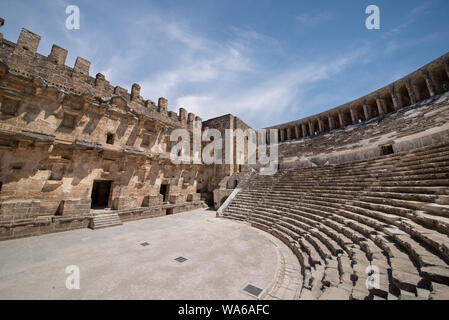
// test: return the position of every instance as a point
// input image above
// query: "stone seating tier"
(391, 212)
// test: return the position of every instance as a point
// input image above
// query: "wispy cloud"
(313, 19)
(415, 14)
(206, 76)
(262, 78)
(264, 101)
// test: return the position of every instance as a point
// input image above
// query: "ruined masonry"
(361, 192)
(77, 152)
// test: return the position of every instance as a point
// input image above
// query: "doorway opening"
(388, 149)
(164, 192)
(101, 191)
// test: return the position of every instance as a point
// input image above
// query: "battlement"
(50, 71)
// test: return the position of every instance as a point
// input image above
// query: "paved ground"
(223, 256)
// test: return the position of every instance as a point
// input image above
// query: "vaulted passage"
(345, 117)
(388, 102)
(441, 79)
(403, 96)
(100, 194)
(358, 113)
(421, 89)
(324, 124)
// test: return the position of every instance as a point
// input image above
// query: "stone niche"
(122, 203)
(150, 201)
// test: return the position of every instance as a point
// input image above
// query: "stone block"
(195, 197)
(150, 200)
(57, 55)
(20, 208)
(70, 207)
(27, 43)
(121, 203)
(82, 66)
(177, 199)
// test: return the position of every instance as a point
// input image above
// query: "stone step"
(429, 150)
(328, 198)
(430, 239)
(105, 220)
(411, 183)
(383, 208)
(415, 177)
(371, 220)
(425, 170)
(429, 158)
(413, 190)
(405, 275)
(314, 256)
(419, 166)
(272, 218)
(438, 223)
(301, 217)
(401, 196)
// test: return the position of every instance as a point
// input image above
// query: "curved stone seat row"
(335, 146)
(426, 83)
(389, 213)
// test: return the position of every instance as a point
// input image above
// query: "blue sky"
(267, 62)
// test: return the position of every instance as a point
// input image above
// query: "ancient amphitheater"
(361, 194)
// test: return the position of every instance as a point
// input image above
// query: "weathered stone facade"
(360, 186)
(367, 203)
(71, 143)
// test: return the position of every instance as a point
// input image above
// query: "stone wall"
(221, 124)
(70, 143)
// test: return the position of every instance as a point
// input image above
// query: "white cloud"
(265, 101)
(206, 76)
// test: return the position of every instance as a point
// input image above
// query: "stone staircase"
(105, 220)
(389, 213)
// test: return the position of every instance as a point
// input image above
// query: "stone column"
(297, 133)
(380, 105)
(411, 91)
(394, 97)
(446, 66)
(289, 135)
(304, 129)
(331, 121)
(429, 82)
(321, 125)
(366, 111)
(341, 119)
(311, 129)
(353, 114)
(282, 138)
